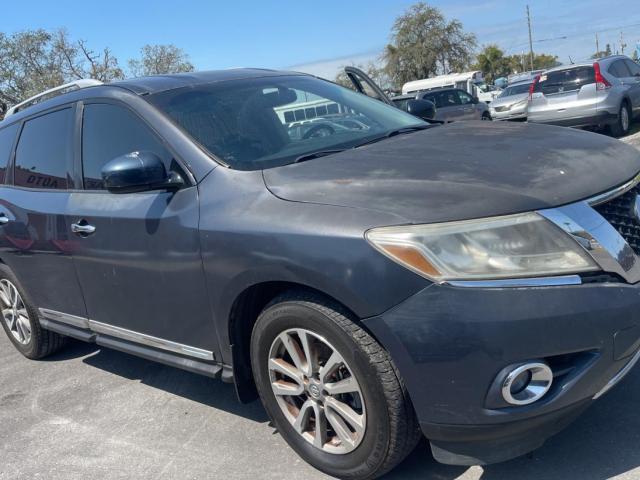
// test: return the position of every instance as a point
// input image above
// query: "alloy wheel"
(317, 391)
(14, 312)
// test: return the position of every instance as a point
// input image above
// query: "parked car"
(512, 103)
(603, 93)
(452, 104)
(478, 284)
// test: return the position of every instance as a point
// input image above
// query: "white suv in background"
(606, 92)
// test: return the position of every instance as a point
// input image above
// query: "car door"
(633, 82)
(448, 106)
(468, 106)
(362, 83)
(35, 241)
(138, 255)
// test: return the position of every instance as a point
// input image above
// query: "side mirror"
(138, 172)
(424, 109)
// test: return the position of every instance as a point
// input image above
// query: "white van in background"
(471, 82)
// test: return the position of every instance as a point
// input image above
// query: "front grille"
(619, 213)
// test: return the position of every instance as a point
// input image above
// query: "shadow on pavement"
(602, 443)
(197, 388)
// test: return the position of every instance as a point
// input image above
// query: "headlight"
(500, 247)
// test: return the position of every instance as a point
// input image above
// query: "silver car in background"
(606, 92)
(452, 104)
(512, 102)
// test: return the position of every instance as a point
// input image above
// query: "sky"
(319, 36)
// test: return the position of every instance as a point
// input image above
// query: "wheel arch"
(245, 310)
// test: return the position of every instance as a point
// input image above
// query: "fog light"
(527, 384)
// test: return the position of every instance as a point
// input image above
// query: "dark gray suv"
(475, 283)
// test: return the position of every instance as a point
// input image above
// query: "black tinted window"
(618, 69)
(448, 98)
(7, 137)
(44, 151)
(565, 80)
(109, 131)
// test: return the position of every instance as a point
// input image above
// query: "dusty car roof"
(159, 83)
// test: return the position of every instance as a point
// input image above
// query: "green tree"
(635, 57)
(424, 43)
(543, 61)
(35, 60)
(160, 59)
(493, 63)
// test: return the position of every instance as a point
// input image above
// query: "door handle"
(3, 219)
(83, 228)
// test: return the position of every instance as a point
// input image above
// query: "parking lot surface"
(95, 413)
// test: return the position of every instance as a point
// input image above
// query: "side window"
(633, 67)
(7, 137)
(465, 98)
(44, 151)
(618, 69)
(109, 131)
(448, 98)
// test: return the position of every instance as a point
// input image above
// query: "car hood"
(461, 171)
(510, 100)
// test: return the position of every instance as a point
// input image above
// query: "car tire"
(19, 319)
(623, 123)
(390, 429)
(486, 116)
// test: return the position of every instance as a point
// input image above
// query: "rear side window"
(567, 80)
(7, 137)
(618, 69)
(44, 151)
(109, 131)
(633, 67)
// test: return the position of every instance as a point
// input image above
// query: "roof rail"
(52, 92)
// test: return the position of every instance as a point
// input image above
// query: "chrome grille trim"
(616, 192)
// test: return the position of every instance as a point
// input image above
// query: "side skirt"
(81, 329)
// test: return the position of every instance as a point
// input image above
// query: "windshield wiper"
(318, 154)
(397, 131)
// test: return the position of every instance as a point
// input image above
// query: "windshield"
(259, 123)
(515, 90)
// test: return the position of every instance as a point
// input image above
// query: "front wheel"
(330, 389)
(486, 116)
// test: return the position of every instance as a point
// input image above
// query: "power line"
(581, 34)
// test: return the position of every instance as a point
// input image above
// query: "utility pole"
(530, 38)
(597, 45)
(622, 44)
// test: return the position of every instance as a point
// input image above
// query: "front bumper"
(517, 113)
(451, 343)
